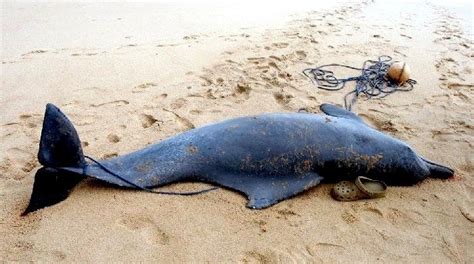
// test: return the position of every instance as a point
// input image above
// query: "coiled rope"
(372, 82)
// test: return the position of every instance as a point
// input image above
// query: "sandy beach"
(130, 75)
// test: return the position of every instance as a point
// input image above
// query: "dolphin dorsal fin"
(337, 111)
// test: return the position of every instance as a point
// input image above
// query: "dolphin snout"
(438, 171)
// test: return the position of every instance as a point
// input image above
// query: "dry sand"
(129, 93)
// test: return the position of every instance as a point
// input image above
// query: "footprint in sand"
(161, 96)
(190, 37)
(312, 98)
(210, 94)
(220, 81)
(29, 120)
(142, 87)
(148, 120)
(112, 138)
(21, 159)
(167, 45)
(147, 228)
(206, 81)
(114, 103)
(273, 65)
(182, 120)
(243, 89)
(280, 45)
(109, 155)
(321, 32)
(128, 46)
(256, 60)
(91, 89)
(285, 76)
(282, 99)
(406, 36)
(195, 112)
(274, 57)
(27, 124)
(293, 254)
(178, 103)
(384, 124)
(371, 215)
(84, 54)
(349, 217)
(256, 256)
(34, 52)
(455, 85)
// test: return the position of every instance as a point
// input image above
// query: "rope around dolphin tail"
(147, 189)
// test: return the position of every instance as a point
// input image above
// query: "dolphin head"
(408, 168)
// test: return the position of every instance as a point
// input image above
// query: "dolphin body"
(268, 157)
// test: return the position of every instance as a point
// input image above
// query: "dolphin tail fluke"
(59, 147)
(438, 171)
(51, 186)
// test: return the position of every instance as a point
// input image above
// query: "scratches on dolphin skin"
(370, 161)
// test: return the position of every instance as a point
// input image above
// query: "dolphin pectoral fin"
(267, 191)
(260, 203)
(336, 111)
(264, 191)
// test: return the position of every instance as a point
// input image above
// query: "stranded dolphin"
(268, 157)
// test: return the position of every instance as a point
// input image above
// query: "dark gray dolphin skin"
(268, 157)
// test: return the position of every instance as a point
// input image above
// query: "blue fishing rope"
(144, 188)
